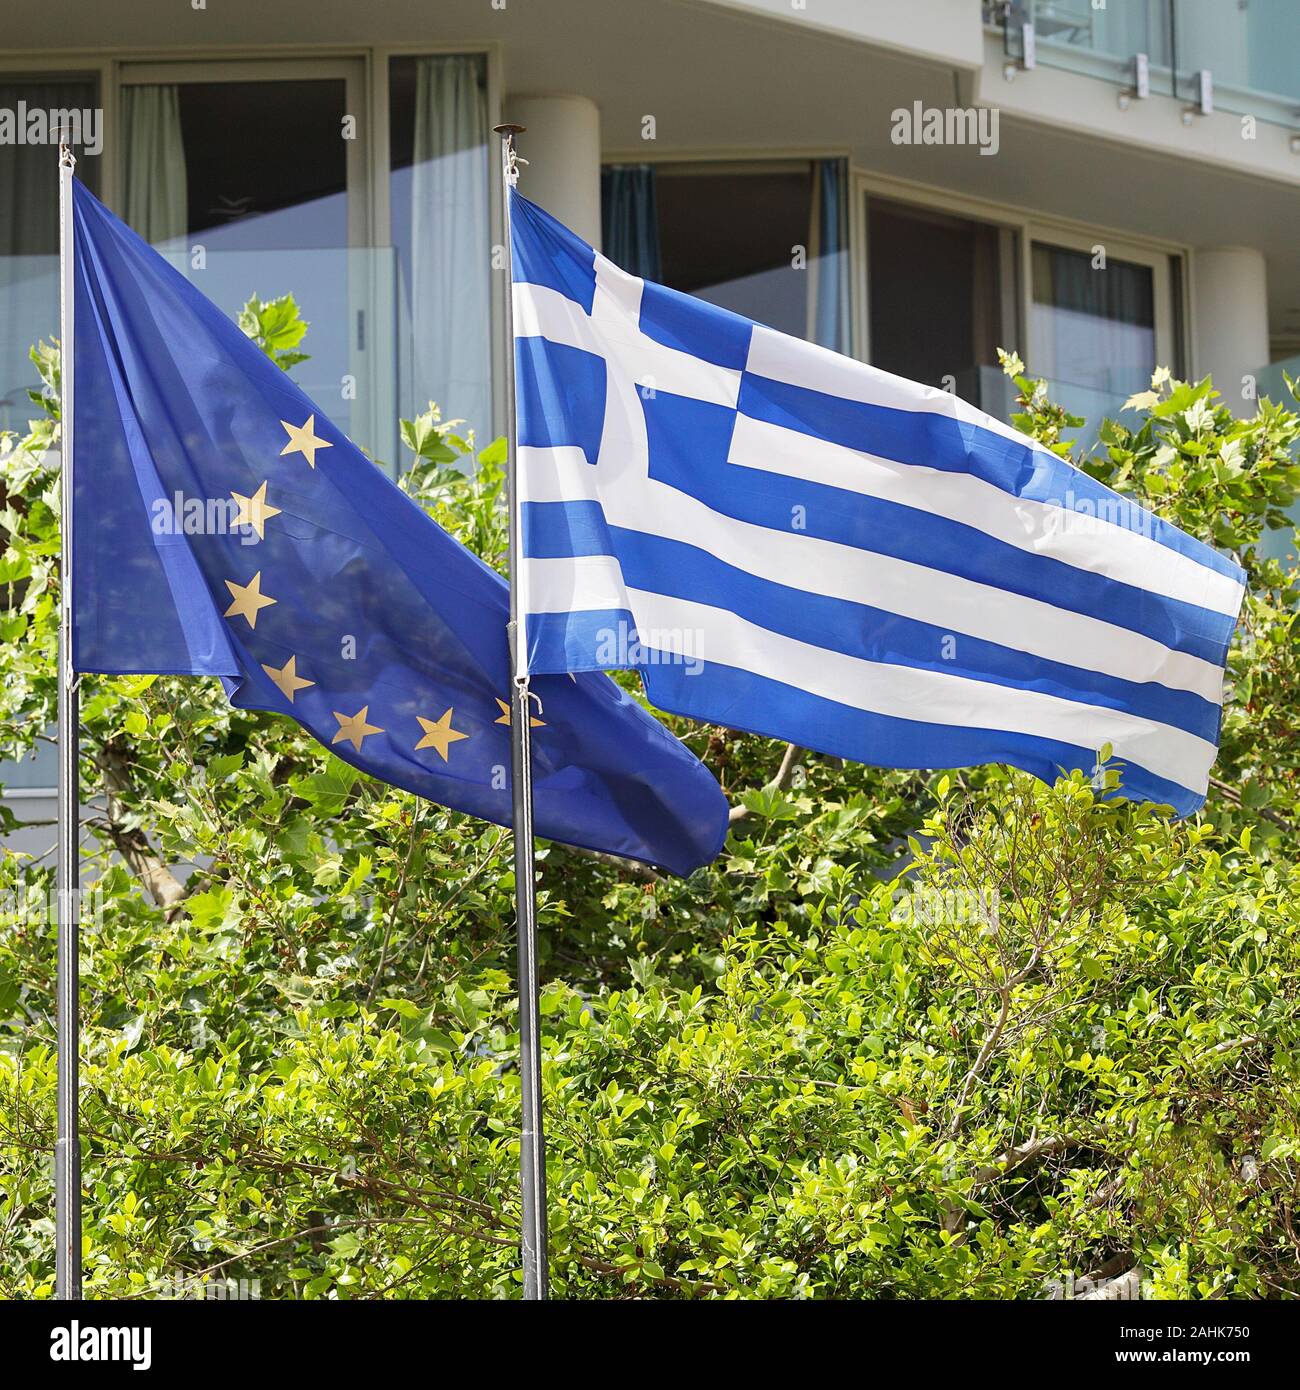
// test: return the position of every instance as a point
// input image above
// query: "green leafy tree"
(910, 1036)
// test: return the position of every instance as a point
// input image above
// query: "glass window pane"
(935, 297)
(1094, 326)
(730, 238)
(1249, 47)
(1118, 30)
(266, 163)
(244, 185)
(29, 224)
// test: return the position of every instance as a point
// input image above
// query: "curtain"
(450, 241)
(156, 202)
(629, 219)
(828, 260)
(29, 241)
(1095, 328)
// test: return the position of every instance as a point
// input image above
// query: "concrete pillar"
(1230, 315)
(562, 146)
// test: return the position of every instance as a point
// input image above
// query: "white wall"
(562, 147)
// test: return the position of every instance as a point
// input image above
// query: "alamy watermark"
(928, 905)
(1095, 516)
(179, 515)
(919, 124)
(85, 906)
(626, 647)
(40, 125)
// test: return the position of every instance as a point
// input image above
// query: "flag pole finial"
(510, 157)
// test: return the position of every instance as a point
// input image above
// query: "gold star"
(533, 721)
(304, 440)
(439, 735)
(254, 511)
(353, 727)
(287, 678)
(249, 599)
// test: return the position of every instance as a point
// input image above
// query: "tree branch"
(132, 844)
(794, 756)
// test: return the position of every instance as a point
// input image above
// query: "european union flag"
(223, 527)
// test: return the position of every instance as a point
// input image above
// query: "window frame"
(1159, 263)
(366, 69)
(209, 71)
(370, 213)
(1029, 226)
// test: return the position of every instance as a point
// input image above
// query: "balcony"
(1237, 57)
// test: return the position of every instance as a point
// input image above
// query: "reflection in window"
(1093, 327)
(438, 131)
(941, 297)
(29, 236)
(770, 243)
(1118, 30)
(1250, 45)
(244, 185)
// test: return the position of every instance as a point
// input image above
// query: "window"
(730, 237)
(29, 231)
(766, 240)
(941, 298)
(265, 164)
(1102, 317)
(249, 176)
(949, 281)
(1093, 324)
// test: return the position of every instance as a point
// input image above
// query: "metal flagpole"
(532, 1140)
(67, 1148)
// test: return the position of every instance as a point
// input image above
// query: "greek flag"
(786, 541)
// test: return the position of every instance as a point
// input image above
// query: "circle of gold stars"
(248, 600)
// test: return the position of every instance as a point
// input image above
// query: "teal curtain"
(629, 219)
(828, 300)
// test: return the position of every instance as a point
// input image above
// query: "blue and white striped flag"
(787, 541)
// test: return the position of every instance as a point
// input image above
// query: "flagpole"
(67, 1148)
(532, 1140)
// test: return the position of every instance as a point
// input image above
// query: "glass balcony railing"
(358, 342)
(1248, 47)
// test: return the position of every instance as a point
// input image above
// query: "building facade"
(1103, 185)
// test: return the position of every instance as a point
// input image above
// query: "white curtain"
(156, 199)
(450, 242)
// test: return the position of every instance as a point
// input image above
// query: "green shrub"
(1064, 1042)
